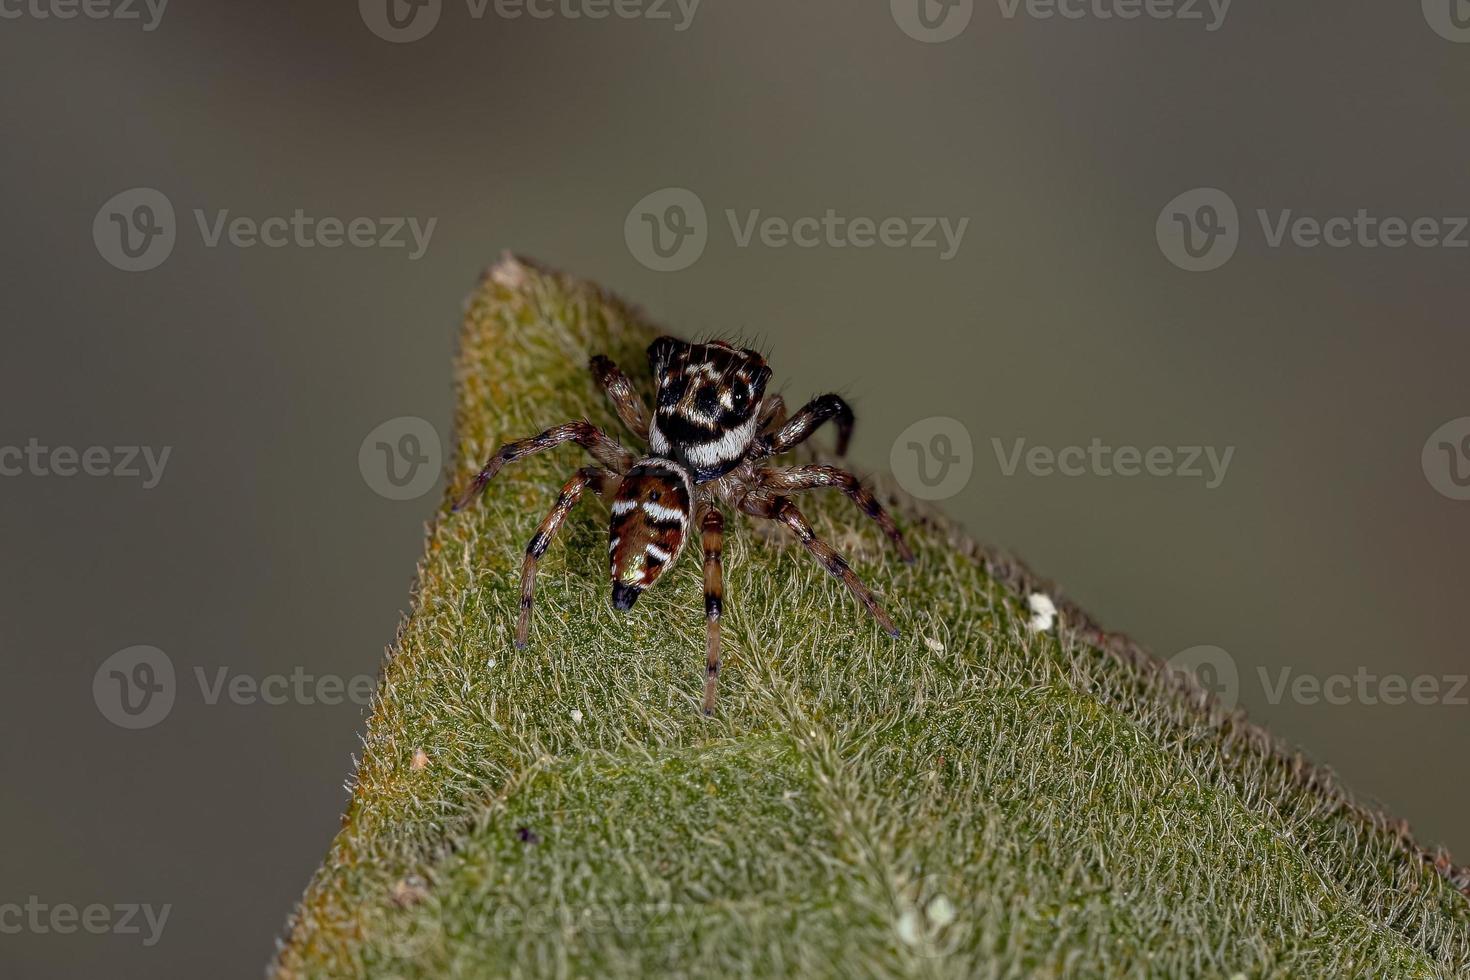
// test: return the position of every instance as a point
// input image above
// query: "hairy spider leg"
(624, 397)
(603, 447)
(603, 482)
(795, 479)
(784, 511)
(712, 537)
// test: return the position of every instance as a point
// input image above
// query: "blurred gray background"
(265, 549)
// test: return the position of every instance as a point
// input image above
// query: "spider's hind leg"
(784, 511)
(603, 483)
(712, 528)
(793, 479)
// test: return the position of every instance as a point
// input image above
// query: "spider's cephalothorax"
(705, 413)
(712, 430)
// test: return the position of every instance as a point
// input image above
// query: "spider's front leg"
(603, 484)
(800, 426)
(794, 479)
(624, 397)
(712, 537)
(784, 511)
(603, 447)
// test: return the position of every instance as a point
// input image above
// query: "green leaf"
(972, 799)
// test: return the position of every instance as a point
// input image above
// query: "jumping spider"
(712, 428)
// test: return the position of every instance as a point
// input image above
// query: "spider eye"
(673, 390)
(706, 400)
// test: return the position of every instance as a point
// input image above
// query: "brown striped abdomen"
(650, 518)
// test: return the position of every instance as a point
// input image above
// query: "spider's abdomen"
(650, 517)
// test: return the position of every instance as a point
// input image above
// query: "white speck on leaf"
(577, 715)
(940, 911)
(1043, 612)
(933, 644)
(908, 927)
